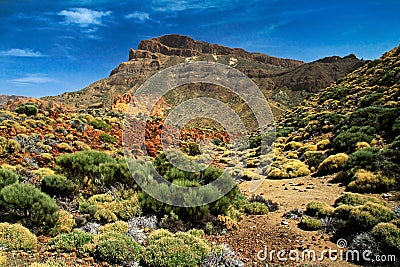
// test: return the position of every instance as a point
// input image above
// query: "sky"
(51, 47)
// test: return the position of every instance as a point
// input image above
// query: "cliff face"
(184, 46)
(284, 81)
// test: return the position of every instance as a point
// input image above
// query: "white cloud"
(37, 78)
(83, 17)
(16, 52)
(141, 16)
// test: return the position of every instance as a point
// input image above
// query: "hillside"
(69, 181)
(279, 79)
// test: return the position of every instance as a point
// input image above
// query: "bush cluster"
(15, 237)
(57, 185)
(175, 250)
(29, 109)
(26, 202)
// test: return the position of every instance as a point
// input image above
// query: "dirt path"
(256, 232)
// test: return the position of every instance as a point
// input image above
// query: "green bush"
(83, 168)
(179, 250)
(185, 179)
(310, 224)
(367, 182)
(354, 199)
(119, 227)
(388, 236)
(332, 164)
(342, 212)
(366, 158)
(314, 158)
(365, 217)
(318, 209)
(255, 208)
(7, 177)
(26, 202)
(57, 185)
(346, 141)
(100, 125)
(107, 138)
(116, 248)
(16, 237)
(28, 109)
(70, 242)
(106, 208)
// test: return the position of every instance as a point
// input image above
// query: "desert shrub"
(354, 199)
(369, 99)
(222, 256)
(100, 125)
(318, 209)
(323, 144)
(28, 109)
(116, 248)
(367, 182)
(343, 211)
(119, 227)
(375, 117)
(255, 208)
(365, 217)
(366, 158)
(313, 158)
(83, 167)
(70, 242)
(332, 164)
(361, 145)
(3, 259)
(114, 172)
(388, 236)
(294, 214)
(57, 185)
(65, 147)
(289, 168)
(15, 237)
(179, 250)
(346, 141)
(7, 177)
(310, 224)
(271, 205)
(191, 149)
(106, 208)
(185, 179)
(64, 224)
(29, 203)
(335, 93)
(79, 145)
(107, 138)
(293, 145)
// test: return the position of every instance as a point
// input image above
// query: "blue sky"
(49, 47)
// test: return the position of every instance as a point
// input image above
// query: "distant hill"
(5, 98)
(279, 79)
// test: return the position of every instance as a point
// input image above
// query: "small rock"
(284, 222)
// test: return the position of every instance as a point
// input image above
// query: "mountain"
(5, 98)
(311, 77)
(278, 78)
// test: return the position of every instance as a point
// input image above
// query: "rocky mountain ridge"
(285, 82)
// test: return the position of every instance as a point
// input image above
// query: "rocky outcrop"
(184, 46)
